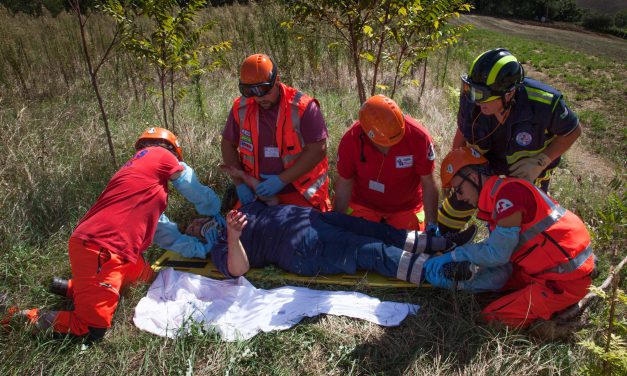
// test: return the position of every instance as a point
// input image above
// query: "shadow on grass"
(443, 333)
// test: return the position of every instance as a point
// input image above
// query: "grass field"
(55, 163)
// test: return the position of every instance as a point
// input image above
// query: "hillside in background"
(606, 6)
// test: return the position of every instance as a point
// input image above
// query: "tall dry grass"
(55, 163)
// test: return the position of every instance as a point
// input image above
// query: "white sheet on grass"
(238, 311)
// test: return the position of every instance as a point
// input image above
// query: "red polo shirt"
(124, 218)
(387, 183)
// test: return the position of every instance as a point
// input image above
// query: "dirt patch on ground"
(582, 160)
(560, 34)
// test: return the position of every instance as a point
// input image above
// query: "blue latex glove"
(204, 198)
(271, 186)
(434, 264)
(245, 194)
(433, 229)
(168, 236)
(436, 278)
(494, 251)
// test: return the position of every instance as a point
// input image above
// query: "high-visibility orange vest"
(555, 245)
(314, 185)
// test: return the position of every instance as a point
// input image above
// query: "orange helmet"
(382, 120)
(161, 134)
(257, 69)
(457, 159)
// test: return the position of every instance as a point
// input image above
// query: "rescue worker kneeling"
(105, 249)
(305, 241)
(536, 248)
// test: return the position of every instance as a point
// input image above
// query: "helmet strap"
(506, 105)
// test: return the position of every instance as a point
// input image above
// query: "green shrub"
(620, 19)
(597, 21)
(565, 10)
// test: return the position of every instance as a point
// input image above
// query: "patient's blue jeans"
(339, 243)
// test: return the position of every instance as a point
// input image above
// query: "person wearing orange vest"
(276, 134)
(537, 250)
(385, 169)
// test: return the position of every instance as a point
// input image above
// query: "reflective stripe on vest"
(290, 158)
(312, 189)
(241, 112)
(296, 118)
(557, 212)
(571, 265)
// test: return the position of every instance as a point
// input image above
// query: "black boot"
(462, 237)
(58, 286)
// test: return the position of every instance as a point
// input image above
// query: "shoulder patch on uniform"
(503, 204)
(524, 138)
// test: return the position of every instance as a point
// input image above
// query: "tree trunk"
(164, 107)
(424, 78)
(358, 75)
(94, 81)
(172, 102)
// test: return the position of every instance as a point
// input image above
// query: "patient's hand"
(235, 223)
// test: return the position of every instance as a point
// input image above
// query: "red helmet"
(457, 159)
(382, 120)
(257, 69)
(161, 134)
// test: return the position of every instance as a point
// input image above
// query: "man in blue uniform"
(308, 242)
(520, 125)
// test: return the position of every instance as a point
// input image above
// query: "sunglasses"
(261, 89)
(457, 190)
(477, 93)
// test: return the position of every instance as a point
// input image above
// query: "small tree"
(169, 42)
(395, 34)
(94, 68)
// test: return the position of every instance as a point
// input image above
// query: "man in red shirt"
(277, 134)
(106, 247)
(537, 251)
(385, 169)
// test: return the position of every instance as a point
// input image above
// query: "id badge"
(271, 152)
(376, 186)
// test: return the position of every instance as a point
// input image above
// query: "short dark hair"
(152, 142)
(480, 169)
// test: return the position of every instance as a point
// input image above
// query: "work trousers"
(339, 243)
(534, 298)
(407, 220)
(98, 276)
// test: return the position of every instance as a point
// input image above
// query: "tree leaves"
(391, 35)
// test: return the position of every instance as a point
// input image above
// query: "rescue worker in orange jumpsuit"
(276, 134)
(105, 249)
(522, 126)
(537, 251)
(385, 169)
